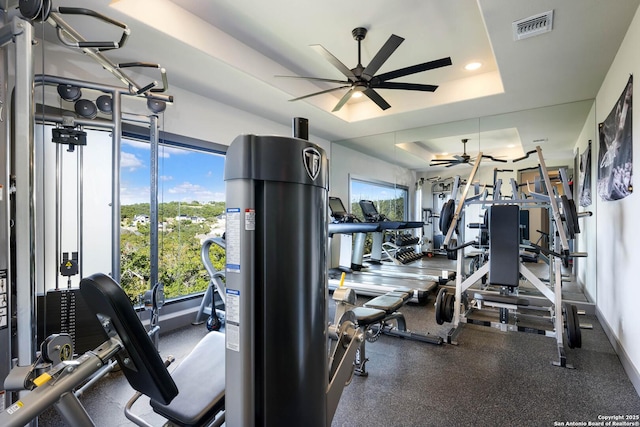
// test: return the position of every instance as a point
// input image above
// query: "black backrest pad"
(145, 371)
(504, 245)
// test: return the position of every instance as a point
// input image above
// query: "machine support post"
(116, 137)
(25, 221)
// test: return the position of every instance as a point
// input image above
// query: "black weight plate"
(574, 214)
(453, 255)
(156, 105)
(440, 306)
(69, 93)
(574, 336)
(484, 238)
(104, 104)
(30, 9)
(446, 215)
(448, 307)
(568, 219)
(86, 108)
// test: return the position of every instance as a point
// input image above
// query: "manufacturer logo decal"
(311, 159)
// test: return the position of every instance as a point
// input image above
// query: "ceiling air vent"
(533, 25)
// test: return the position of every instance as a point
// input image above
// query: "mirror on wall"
(560, 130)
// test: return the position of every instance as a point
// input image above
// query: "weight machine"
(22, 220)
(505, 270)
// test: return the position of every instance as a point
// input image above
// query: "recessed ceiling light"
(444, 154)
(511, 145)
(472, 66)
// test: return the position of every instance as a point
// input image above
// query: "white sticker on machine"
(232, 319)
(232, 238)
(250, 219)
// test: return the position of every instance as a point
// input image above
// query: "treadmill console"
(370, 212)
(339, 212)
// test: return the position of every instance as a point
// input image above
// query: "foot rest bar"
(502, 299)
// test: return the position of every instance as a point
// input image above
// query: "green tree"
(180, 267)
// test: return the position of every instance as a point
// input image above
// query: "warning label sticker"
(232, 328)
(250, 219)
(232, 237)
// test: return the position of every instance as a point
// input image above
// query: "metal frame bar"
(25, 220)
(456, 215)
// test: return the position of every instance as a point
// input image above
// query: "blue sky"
(184, 175)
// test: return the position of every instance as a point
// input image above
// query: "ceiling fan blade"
(375, 97)
(405, 86)
(334, 61)
(443, 62)
(452, 164)
(317, 79)
(318, 93)
(381, 57)
(459, 158)
(342, 101)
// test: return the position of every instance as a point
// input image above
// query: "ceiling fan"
(363, 79)
(462, 159)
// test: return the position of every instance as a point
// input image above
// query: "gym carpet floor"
(490, 378)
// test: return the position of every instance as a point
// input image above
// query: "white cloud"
(130, 161)
(133, 195)
(163, 151)
(188, 192)
(166, 178)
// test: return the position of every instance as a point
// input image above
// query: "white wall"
(618, 227)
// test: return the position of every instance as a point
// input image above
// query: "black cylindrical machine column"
(276, 235)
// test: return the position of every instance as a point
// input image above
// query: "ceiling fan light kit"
(364, 79)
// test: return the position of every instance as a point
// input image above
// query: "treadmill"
(381, 261)
(363, 283)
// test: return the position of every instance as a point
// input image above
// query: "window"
(190, 209)
(391, 200)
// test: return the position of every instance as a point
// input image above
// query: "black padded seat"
(404, 293)
(366, 316)
(200, 378)
(386, 302)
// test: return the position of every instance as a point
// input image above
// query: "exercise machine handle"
(526, 156)
(101, 46)
(564, 256)
(150, 87)
(462, 246)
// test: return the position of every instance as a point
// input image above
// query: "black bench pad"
(366, 316)
(387, 302)
(200, 379)
(403, 292)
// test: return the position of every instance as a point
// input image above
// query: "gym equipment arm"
(101, 46)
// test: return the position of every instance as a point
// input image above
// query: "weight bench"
(375, 317)
(195, 390)
(192, 396)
